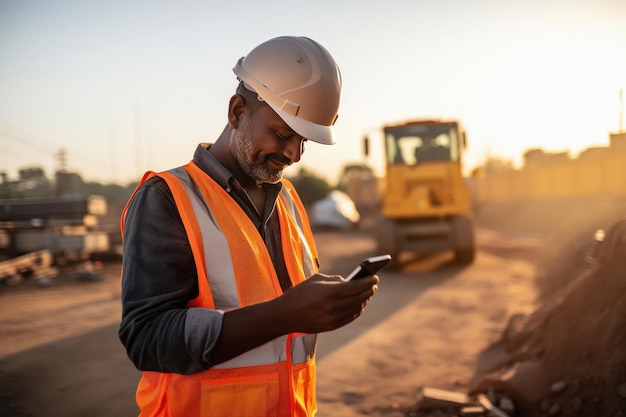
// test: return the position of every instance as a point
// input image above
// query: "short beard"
(243, 151)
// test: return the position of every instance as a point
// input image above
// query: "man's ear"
(236, 108)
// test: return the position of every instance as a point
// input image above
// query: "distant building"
(594, 152)
(618, 141)
(497, 166)
(538, 158)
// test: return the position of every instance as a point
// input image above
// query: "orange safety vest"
(235, 270)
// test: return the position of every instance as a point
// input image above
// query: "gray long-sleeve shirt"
(159, 275)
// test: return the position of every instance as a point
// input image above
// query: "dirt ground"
(448, 331)
(569, 356)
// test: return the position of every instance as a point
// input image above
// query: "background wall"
(595, 173)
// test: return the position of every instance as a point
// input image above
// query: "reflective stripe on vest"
(219, 232)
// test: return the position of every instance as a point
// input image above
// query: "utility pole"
(62, 159)
(138, 159)
(621, 110)
(113, 155)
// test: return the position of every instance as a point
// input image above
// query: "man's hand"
(318, 304)
(326, 302)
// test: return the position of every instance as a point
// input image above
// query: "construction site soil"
(569, 356)
(564, 355)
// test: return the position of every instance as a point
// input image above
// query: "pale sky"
(127, 86)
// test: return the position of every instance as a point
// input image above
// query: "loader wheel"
(465, 246)
(464, 256)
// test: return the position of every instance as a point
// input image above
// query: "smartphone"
(369, 267)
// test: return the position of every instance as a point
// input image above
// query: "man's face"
(264, 145)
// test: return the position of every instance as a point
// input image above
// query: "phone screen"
(369, 266)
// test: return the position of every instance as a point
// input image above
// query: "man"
(222, 299)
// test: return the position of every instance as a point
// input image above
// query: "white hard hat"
(299, 79)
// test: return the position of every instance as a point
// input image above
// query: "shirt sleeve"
(159, 278)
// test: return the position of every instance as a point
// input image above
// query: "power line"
(23, 139)
(21, 154)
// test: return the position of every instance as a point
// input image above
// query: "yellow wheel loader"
(426, 204)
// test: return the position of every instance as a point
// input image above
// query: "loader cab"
(426, 142)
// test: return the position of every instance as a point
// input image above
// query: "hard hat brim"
(308, 130)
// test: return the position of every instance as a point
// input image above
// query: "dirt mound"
(568, 357)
